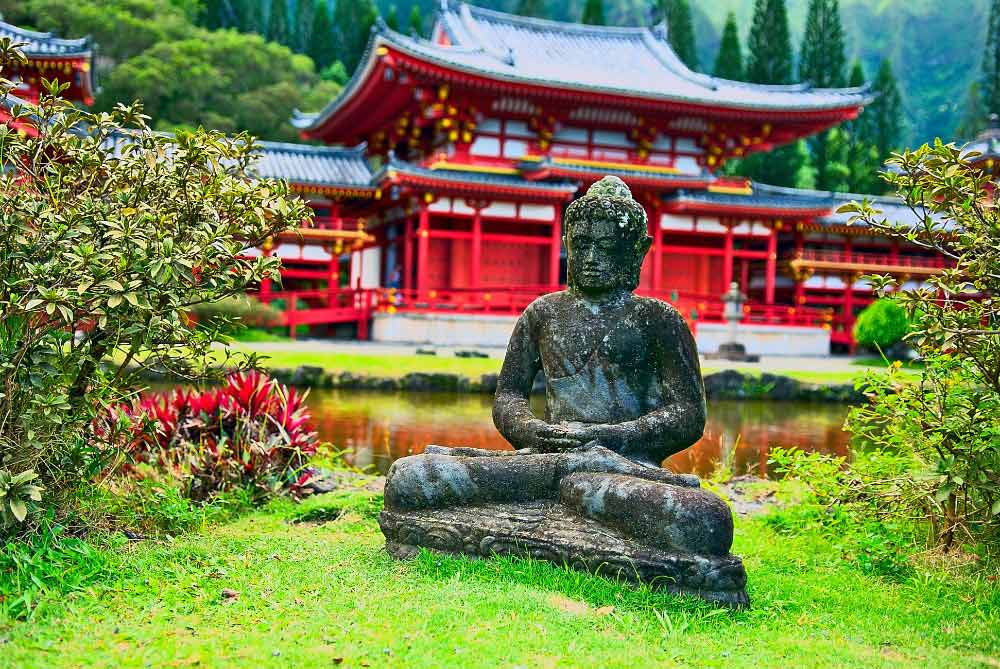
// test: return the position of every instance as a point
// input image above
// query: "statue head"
(606, 238)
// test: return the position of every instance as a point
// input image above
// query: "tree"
(729, 61)
(990, 86)
(102, 259)
(352, 23)
(322, 48)
(234, 82)
(535, 8)
(392, 18)
(769, 47)
(947, 421)
(974, 118)
(593, 13)
(416, 21)
(860, 155)
(277, 23)
(883, 119)
(822, 63)
(680, 31)
(304, 10)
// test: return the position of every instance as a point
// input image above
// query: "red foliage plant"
(252, 432)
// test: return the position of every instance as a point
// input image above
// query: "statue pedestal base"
(549, 531)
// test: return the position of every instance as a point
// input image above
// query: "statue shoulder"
(545, 305)
(658, 311)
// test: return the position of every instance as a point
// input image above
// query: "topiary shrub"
(237, 313)
(882, 324)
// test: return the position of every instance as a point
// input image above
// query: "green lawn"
(326, 594)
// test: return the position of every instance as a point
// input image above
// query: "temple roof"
(303, 164)
(987, 145)
(777, 201)
(474, 180)
(39, 44)
(635, 63)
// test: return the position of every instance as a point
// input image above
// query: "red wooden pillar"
(800, 288)
(423, 249)
(654, 226)
(727, 259)
(772, 266)
(265, 284)
(554, 246)
(477, 248)
(408, 255)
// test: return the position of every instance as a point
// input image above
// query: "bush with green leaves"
(110, 234)
(947, 420)
(237, 313)
(881, 325)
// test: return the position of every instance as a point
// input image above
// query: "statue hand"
(550, 438)
(609, 436)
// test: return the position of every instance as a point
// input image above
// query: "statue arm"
(512, 413)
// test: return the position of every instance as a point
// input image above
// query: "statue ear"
(644, 245)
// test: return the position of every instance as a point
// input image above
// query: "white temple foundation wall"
(769, 340)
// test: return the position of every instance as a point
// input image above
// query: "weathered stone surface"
(623, 391)
(547, 530)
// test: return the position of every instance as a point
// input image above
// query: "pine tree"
(392, 18)
(785, 166)
(822, 63)
(729, 61)
(416, 21)
(303, 24)
(322, 46)
(593, 13)
(974, 118)
(860, 155)
(886, 122)
(680, 31)
(531, 8)
(769, 47)
(255, 17)
(352, 23)
(277, 22)
(990, 82)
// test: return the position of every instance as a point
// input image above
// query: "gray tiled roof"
(314, 165)
(39, 44)
(987, 145)
(625, 61)
(766, 197)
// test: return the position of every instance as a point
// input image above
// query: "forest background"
(247, 64)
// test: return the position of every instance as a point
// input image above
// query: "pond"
(378, 428)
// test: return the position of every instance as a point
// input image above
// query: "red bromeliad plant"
(252, 432)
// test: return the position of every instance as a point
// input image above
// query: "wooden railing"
(346, 305)
(870, 259)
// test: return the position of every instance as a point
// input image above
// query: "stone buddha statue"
(584, 485)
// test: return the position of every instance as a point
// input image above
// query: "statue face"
(601, 257)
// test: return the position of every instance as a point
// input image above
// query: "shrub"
(252, 433)
(109, 235)
(882, 324)
(948, 421)
(236, 314)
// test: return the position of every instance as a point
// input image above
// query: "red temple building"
(65, 60)
(468, 146)
(439, 197)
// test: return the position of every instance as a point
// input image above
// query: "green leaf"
(19, 509)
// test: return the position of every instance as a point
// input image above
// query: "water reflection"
(379, 428)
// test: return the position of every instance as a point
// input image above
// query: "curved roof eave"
(437, 55)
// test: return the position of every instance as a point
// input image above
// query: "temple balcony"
(866, 263)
